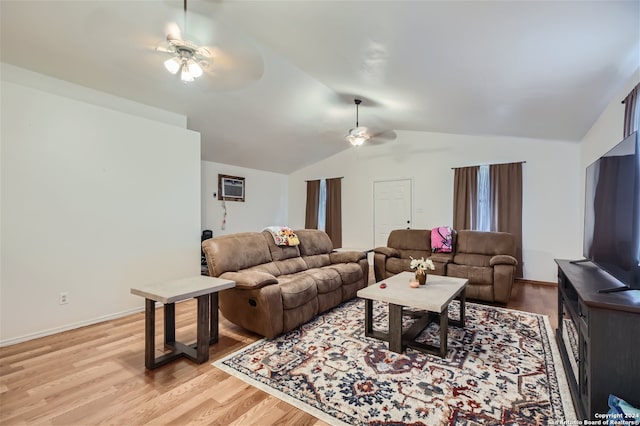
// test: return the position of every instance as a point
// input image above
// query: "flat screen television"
(612, 213)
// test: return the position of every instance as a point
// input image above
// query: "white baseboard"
(68, 327)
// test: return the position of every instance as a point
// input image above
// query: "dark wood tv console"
(599, 338)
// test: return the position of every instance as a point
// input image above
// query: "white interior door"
(392, 202)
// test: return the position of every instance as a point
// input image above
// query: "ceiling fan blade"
(204, 52)
(386, 135)
(172, 29)
(165, 49)
(342, 98)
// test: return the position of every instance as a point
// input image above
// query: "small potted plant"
(421, 266)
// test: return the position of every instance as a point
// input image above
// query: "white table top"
(437, 293)
(184, 288)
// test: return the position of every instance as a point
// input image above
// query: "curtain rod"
(311, 180)
(499, 164)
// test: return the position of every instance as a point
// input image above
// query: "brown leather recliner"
(486, 259)
(402, 245)
(281, 287)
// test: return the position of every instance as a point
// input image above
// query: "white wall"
(94, 201)
(550, 186)
(265, 204)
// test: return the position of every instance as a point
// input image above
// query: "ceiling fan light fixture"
(185, 59)
(194, 68)
(172, 65)
(358, 136)
(356, 140)
(185, 74)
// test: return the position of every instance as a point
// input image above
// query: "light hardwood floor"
(96, 375)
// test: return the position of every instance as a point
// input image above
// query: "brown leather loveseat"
(486, 259)
(279, 288)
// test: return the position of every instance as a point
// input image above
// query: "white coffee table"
(433, 298)
(203, 288)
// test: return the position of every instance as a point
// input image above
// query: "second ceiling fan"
(358, 135)
(361, 134)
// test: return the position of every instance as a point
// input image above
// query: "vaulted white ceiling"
(537, 69)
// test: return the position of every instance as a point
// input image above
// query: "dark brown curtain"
(505, 181)
(631, 112)
(313, 200)
(465, 197)
(333, 226)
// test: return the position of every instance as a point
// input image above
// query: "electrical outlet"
(64, 298)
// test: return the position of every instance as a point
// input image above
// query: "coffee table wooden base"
(399, 339)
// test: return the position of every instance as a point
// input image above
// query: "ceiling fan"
(186, 57)
(230, 61)
(360, 134)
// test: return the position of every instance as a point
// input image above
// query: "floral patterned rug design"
(502, 368)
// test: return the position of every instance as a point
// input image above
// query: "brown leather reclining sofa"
(281, 287)
(486, 259)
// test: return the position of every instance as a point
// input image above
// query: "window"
(322, 205)
(324, 208)
(484, 200)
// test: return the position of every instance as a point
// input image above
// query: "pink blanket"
(442, 239)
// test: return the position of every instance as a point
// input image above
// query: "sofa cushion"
(313, 241)
(411, 240)
(327, 279)
(475, 274)
(280, 252)
(297, 289)
(472, 259)
(292, 318)
(487, 243)
(222, 252)
(349, 272)
(291, 266)
(317, 261)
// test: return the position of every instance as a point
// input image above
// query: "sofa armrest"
(440, 261)
(503, 276)
(250, 279)
(387, 251)
(503, 259)
(346, 256)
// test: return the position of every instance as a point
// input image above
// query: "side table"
(205, 290)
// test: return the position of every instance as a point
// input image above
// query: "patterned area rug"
(502, 368)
